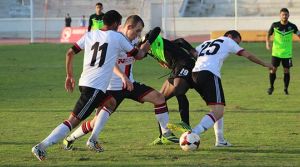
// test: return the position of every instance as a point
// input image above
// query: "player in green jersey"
(283, 31)
(95, 21)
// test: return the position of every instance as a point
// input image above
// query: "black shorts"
(89, 99)
(209, 87)
(139, 91)
(286, 62)
(182, 71)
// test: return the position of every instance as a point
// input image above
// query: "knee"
(286, 70)
(110, 104)
(159, 99)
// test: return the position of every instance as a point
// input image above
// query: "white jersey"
(125, 63)
(101, 49)
(212, 53)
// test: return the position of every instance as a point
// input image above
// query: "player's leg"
(287, 64)
(272, 75)
(143, 93)
(86, 127)
(85, 105)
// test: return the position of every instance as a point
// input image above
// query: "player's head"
(235, 35)
(112, 19)
(284, 14)
(133, 27)
(99, 8)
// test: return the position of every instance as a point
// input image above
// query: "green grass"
(265, 130)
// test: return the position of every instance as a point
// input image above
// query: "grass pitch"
(264, 130)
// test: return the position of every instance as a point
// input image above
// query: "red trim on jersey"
(127, 71)
(77, 46)
(133, 52)
(239, 52)
(143, 95)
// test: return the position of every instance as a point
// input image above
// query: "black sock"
(159, 129)
(272, 77)
(286, 80)
(183, 105)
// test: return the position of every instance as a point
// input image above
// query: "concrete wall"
(51, 28)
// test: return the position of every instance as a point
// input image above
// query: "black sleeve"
(90, 23)
(183, 44)
(295, 29)
(271, 30)
(76, 48)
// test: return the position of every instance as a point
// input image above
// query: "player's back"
(101, 49)
(212, 53)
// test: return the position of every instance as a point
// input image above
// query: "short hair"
(112, 17)
(99, 4)
(134, 20)
(284, 10)
(233, 33)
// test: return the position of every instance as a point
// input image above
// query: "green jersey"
(283, 39)
(96, 22)
(157, 49)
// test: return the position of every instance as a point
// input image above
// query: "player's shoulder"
(292, 24)
(276, 24)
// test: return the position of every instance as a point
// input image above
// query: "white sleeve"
(234, 47)
(81, 42)
(125, 44)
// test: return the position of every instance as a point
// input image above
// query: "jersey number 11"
(96, 48)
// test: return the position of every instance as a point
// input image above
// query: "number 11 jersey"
(101, 49)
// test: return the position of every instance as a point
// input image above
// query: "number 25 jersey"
(212, 53)
(101, 49)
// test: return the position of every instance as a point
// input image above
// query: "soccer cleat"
(157, 141)
(223, 144)
(39, 152)
(94, 145)
(270, 90)
(286, 91)
(68, 145)
(169, 139)
(181, 127)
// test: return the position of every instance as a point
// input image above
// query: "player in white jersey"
(207, 77)
(101, 48)
(123, 86)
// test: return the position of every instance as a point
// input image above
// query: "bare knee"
(110, 104)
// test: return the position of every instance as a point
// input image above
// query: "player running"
(101, 49)
(207, 77)
(123, 86)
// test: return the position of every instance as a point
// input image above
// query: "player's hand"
(69, 84)
(270, 66)
(127, 84)
(145, 46)
(268, 47)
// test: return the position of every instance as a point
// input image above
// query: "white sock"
(207, 121)
(57, 134)
(84, 128)
(163, 119)
(100, 122)
(218, 127)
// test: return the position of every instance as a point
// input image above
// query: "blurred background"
(44, 20)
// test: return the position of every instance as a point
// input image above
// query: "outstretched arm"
(256, 60)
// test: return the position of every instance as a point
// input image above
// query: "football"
(189, 141)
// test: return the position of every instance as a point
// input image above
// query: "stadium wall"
(177, 27)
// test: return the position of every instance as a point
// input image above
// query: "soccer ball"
(189, 141)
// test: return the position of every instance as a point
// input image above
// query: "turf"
(264, 130)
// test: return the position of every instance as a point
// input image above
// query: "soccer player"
(123, 86)
(207, 77)
(95, 21)
(179, 56)
(283, 31)
(101, 49)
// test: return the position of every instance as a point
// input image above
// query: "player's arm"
(255, 59)
(127, 84)
(269, 34)
(187, 46)
(70, 82)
